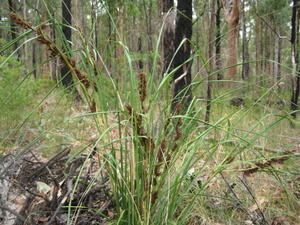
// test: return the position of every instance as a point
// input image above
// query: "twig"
(240, 204)
(245, 183)
(55, 190)
(26, 189)
(279, 151)
(33, 155)
(64, 199)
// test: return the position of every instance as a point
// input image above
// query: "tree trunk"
(120, 35)
(245, 50)
(78, 20)
(54, 63)
(44, 54)
(232, 16)
(295, 58)
(275, 64)
(1, 30)
(182, 77)
(111, 48)
(263, 47)
(218, 41)
(269, 55)
(148, 20)
(210, 58)
(34, 64)
(13, 28)
(258, 64)
(279, 60)
(25, 55)
(66, 75)
(168, 35)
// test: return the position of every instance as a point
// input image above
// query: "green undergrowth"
(32, 107)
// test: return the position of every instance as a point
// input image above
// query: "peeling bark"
(66, 75)
(168, 35)
(295, 58)
(218, 41)
(245, 48)
(232, 16)
(182, 77)
(212, 30)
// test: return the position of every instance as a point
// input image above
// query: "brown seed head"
(177, 109)
(129, 109)
(43, 26)
(142, 86)
(250, 171)
(154, 197)
(13, 16)
(20, 21)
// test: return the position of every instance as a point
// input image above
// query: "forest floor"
(35, 190)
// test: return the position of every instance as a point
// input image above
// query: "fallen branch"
(60, 156)
(257, 147)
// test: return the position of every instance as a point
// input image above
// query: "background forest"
(149, 112)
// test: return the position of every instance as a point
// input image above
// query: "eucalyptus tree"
(67, 79)
(211, 36)
(13, 29)
(272, 19)
(169, 32)
(218, 62)
(295, 57)
(245, 43)
(182, 61)
(232, 17)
